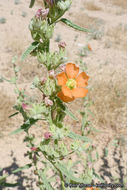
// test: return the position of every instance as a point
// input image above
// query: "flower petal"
(66, 91)
(64, 98)
(82, 79)
(72, 70)
(79, 92)
(62, 79)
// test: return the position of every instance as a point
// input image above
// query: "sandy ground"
(106, 66)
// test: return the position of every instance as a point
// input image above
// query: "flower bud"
(45, 13)
(24, 106)
(64, 5)
(38, 13)
(42, 13)
(33, 149)
(41, 57)
(62, 45)
(49, 31)
(63, 67)
(5, 172)
(51, 74)
(48, 102)
(43, 80)
(47, 135)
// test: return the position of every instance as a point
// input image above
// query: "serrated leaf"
(37, 110)
(78, 137)
(27, 166)
(45, 181)
(13, 114)
(68, 112)
(29, 50)
(25, 126)
(75, 26)
(67, 173)
(31, 3)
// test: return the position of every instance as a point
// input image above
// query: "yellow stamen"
(71, 83)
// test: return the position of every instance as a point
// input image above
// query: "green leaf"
(84, 121)
(13, 114)
(97, 155)
(1, 79)
(106, 152)
(90, 158)
(27, 166)
(10, 184)
(25, 126)
(94, 129)
(45, 181)
(17, 69)
(29, 50)
(68, 112)
(31, 3)
(78, 137)
(37, 110)
(14, 59)
(49, 87)
(67, 173)
(97, 176)
(17, 131)
(13, 80)
(76, 163)
(69, 23)
(3, 178)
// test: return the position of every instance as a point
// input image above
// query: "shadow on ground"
(20, 178)
(107, 172)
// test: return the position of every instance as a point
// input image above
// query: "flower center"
(71, 83)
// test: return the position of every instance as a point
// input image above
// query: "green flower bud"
(41, 57)
(64, 5)
(49, 32)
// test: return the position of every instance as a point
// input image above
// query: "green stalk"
(61, 176)
(47, 46)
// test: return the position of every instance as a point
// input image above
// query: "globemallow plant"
(52, 157)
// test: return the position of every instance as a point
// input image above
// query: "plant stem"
(47, 46)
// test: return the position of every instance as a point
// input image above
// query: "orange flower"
(89, 47)
(72, 84)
